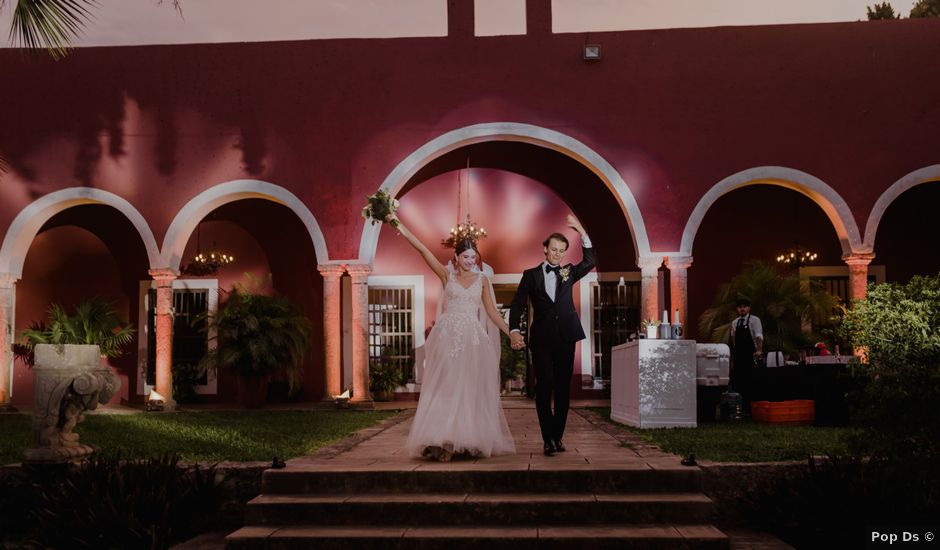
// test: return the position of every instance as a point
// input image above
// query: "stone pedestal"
(69, 380)
(652, 383)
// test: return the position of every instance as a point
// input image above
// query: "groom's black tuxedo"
(554, 329)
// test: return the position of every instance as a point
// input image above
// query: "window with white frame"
(392, 327)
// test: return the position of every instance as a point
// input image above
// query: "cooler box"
(800, 411)
(712, 364)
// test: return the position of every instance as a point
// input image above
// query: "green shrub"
(898, 326)
(109, 503)
(385, 376)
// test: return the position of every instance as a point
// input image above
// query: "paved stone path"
(587, 448)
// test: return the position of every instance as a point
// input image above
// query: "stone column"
(7, 297)
(359, 275)
(332, 329)
(858, 274)
(679, 288)
(649, 285)
(164, 333)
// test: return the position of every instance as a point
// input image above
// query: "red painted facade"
(673, 112)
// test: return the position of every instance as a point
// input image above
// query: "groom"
(554, 331)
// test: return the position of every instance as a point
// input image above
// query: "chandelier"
(208, 262)
(797, 256)
(466, 230)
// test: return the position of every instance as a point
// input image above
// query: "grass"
(743, 441)
(203, 436)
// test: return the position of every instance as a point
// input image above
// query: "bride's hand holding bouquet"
(381, 208)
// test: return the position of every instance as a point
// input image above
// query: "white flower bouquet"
(379, 207)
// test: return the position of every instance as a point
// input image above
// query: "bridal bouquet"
(380, 206)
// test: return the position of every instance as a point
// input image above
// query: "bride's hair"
(465, 245)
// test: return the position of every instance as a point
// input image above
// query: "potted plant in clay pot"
(384, 378)
(257, 336)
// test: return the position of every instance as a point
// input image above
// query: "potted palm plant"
(781, 303)
(94, 322)
(384, 378)
(258, 335)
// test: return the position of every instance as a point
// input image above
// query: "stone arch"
(913, 179)
(202, 204)
(30, 220)
(812, 187)
(512, 131)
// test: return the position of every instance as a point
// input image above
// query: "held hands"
(516, 341)
(573, 223)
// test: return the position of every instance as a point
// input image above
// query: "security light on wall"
(592, 52)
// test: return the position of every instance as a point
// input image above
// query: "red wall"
(674, 111)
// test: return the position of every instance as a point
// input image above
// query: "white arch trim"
(511, 131)
(817, 190)
(185, 222)
(30, 220)
(917, 177)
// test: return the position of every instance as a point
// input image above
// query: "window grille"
(391, 327)
(615, 314)
(190, 342)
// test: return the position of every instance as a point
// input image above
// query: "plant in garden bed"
(258, 336)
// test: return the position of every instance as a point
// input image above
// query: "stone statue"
(69, 380)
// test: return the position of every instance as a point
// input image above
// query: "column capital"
(164, 274)
(678, 262)
(331, 270)
(8, 280)
(649, 262)
(859, 259)
(358, 272)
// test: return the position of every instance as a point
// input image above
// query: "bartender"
(747, 345)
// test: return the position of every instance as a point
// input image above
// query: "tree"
(925, 8)
(881, 11)
(779, 301)
(53, 24)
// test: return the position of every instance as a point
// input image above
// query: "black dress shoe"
(549, 448)
(559, 446)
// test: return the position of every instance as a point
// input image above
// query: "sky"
(130, 22)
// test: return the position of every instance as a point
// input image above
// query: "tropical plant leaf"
(49, 24)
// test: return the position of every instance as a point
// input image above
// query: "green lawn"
(743, 441)
(204, 436)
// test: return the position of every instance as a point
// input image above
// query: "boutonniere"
(565, 273)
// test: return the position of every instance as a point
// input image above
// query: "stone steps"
(490, 537)
(479, 509)
(502, 480)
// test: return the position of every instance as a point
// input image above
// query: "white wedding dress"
(459, 409)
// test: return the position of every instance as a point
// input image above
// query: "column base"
(6, 408)
(364, 405)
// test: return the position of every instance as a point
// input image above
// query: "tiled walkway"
(587, 448)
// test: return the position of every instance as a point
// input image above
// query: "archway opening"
(521, 193)
(273, 254)
(906, 238)
(83, 252)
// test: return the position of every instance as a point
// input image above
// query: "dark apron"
(743, 356)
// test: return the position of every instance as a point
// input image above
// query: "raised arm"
(587, 251)
(429, 258)
(490, 308)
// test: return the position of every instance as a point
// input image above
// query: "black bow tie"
(549, 268)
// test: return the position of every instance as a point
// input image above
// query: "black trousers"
(554, 365)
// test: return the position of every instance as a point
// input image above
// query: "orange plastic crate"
(800, 411)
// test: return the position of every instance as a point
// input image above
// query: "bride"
(459, 410)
